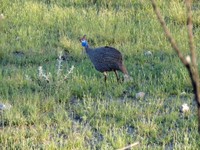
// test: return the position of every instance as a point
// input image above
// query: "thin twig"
(190, 33)
(168, 34)
(195, 80)
(192, 50)
(129, 146)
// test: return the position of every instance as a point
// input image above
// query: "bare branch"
(195, 75)
(192, 49)
(190, 33)
(168, 34)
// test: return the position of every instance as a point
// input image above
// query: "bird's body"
(105, 59)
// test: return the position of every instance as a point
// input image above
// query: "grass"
(82, 112)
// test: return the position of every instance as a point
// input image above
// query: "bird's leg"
(116, 75)
(105, 75)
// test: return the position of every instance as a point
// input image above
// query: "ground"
(72, 108)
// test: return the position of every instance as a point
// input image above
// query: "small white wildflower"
(185, 108)
(2, 17)
(59, 64)
(60, 55)
(41, 74)
(2, 106)
(71, 69)
(17, 38)
(148, 53)
(40, 71)
(27, 77)
(49, 75)
(46, 77)
(183, 93)
(127, 78)
(69, 72)
(5, 106)
(140, 95)
(188, 59)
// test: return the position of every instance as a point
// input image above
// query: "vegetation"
(74, 109)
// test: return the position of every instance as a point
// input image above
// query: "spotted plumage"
(105, 59)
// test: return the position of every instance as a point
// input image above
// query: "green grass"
(82, 112)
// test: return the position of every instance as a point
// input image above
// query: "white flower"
(59, 64)
(2, 106)
(60, 56)
(148, 53)
(41, 74)
(127, 78)
(185, 108)
(188, 59)
(2, 17)
(27, 77)
(5, 106)
(140, 95)
(183, 93)
(40, 71)
(69, 72)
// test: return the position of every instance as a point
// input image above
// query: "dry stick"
(129, 146)
(190, 37)
(168, 34)
(190, 33)
(192, 68)
(195, 81)
(191, 44)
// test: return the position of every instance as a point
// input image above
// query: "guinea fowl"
(105, 59)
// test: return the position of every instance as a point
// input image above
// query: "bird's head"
(84, 42)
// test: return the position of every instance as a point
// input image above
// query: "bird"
(105, 59)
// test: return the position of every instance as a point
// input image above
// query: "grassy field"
(74, 109)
